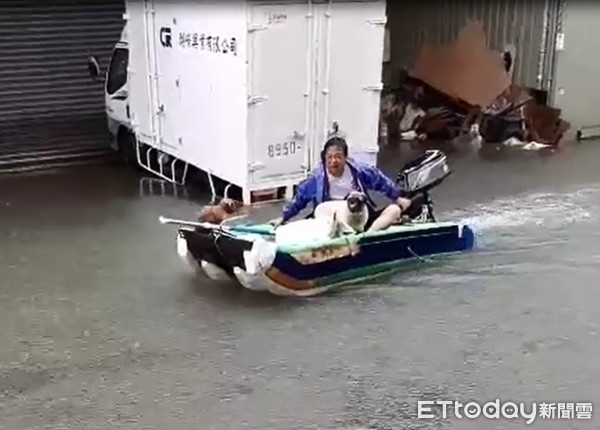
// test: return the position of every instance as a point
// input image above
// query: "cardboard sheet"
(467, 69)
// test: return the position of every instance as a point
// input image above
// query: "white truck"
(245, 91)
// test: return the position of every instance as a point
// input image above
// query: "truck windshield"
(117, 72)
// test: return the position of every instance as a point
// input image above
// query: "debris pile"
(463, 93)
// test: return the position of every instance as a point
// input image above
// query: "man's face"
(335, 160)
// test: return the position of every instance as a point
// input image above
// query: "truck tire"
(126, 146)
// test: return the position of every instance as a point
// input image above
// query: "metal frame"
(160, 173)
(554, 15)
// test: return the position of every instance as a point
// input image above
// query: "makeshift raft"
(250, 255)
(262, 258)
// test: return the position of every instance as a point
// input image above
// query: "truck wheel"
(126, 147)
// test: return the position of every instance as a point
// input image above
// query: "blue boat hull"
(309, 270)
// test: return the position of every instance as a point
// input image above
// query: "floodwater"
(103, 327)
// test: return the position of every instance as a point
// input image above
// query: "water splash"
(550, 210)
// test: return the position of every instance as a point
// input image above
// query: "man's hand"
(276, 222)
(403, 203)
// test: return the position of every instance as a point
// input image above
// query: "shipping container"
(249, 91)
(576, 91)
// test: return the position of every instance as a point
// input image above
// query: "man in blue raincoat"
(336, 177)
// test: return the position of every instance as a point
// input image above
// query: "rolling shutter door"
(48, 102)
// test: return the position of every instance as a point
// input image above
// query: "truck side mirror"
(93, 68)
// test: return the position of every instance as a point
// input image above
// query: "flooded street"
(104, 327)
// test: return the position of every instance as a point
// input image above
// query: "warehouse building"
(51, 110)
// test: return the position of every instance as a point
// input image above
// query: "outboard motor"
(418, 177)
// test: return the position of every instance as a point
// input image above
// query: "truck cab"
(116, 93)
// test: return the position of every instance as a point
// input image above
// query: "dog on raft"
(348, 216)
(225, 209)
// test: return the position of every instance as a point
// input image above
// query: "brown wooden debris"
(463, 84)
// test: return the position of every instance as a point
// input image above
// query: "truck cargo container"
(246, 91)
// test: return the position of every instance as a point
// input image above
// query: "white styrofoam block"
(303, 232)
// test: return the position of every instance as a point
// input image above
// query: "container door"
(279, 55)
(165, 42)
(351, 40)
(141, 88)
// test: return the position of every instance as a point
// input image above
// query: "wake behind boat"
(262, 258)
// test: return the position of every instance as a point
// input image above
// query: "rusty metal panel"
(525, 24)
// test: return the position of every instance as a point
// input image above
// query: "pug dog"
(347, 216)
(355, 213)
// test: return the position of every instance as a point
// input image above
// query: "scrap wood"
(440, 125)
(544, 124)
(425, 96)
(466, 70)
(516, 93)
(465, 85)
(499, 129)
(511, 100)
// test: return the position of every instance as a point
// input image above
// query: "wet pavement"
(103, 327)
